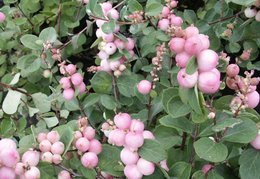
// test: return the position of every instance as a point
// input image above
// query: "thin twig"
(69, 170)
(226, 18)
(184, 137)
(59, 16)
(81, 107)
(115, 90)
(25, 15)
(119, 4)
(14, 89)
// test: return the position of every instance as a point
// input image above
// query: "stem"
(81, 108)
(149, 107)
(193, 141)
(2, 28)
(115, 90)
(163, 171)
(25, 15)
(14, 89)
(119, 4)
(226, 18)
(59, 16)
(184, 137)
(69, 170)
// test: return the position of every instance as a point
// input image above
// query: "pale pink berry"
(47, 157)
(232, 70)
(100, 23)
(7, 144)
(56, 159)
(64, 175)
(129, 157)
(45, 146)
(117, 137)
(164, 165)
(81, 87)
(144, 87)
(193, 45)
(57, 148)
(89, 160)
(231, 83)
(208, 82)
(68, 94)
(182, 59)
(173, 4)
(145, 167)
(185, 80)
(104, 64)
(7, 173)
(251, 88)
(106, 7)
(32, 173)
(110, 48)
(114, 64)
(103, 55)
(99, 33)
(9, 157)
(113, 13)
(252, 99)
(165, 11)
(216, 72)
(205, 41)
(130, 44)
(148, 135)
(71, 69)
(76, 79)
(41, 136)
(53, 136)
(119, 44)
(2, 17)
(95, 146)
(257, 16)
(256, 142)
(177, 21)
(163, 24)
(191, 31)
(89, 133)
(249, 13)
(137, 126)
(177, 44)
(108, 37)
(207, 60)
(206, 168)
(65, 82)
(31, 158)
(134, 140)
(122, 121)
(132, 172)
(82, 144)
(105, 126)
(19, 168)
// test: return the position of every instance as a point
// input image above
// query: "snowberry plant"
(129, 89)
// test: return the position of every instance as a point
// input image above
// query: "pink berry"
(129, 157)
(148, 135)
(177, 44)
(256, 142)
(104, 64)
(110, 48)
(185, 80)
(177, 21)
(82, 144)
(89, 133)
(41, 137)
(165, 11)
(252, 99)
(106, 6)
(122, 121)
(64, 175)
(164, 165)
(9, 157)
(89, 160)
(32, 173)
(105, 126)
(7, 144)
(7, 173)
(134, 140)
(208, 82)
(257, 16)
(99, 33)
(216, 72)
(132, 172)
(47, 157)
(113, 13)
(145, 167)
(65, 82)
(2, 17)
(103, 55)
(45, 146)
(117, 137)
(130, 44)
(19, 168)
(163, 24)
(56, 159)
(193, 45)
(232, 70)
(182, 59)
(114, 64)
(108, 37)
(251, 88)
(71, 69)
(137, 126)
(144, 87)
(57, 148)
(206, 168)
(249, 13)
(119, 44)
(68, 94)
(95, 146)
(76, 79)
(191, 31)
(205, 41)
(100, 23)
(53, 136)
(173, 4)
(207, 60)
(81, 88)
(31, 158)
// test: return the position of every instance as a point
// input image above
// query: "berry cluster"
(2, 17)
(253, 11)
(129, 133)
(73, 81)
(88, 147)
(51, 147)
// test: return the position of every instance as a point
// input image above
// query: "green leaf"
(194, 100)
(90, 100)
(125, 84)
(49, 34)
(223, 102)
(181, 123)
(209, 150)
(29, 63)
(88, 173)
(249, 164)
(181, 170)
(41, 102)
(109, 27)
(152, 151)
(244, 132)
(11, 102)
(234, 47)
(29, 41)
(102, 82)
(243, 3)
(108, 102)
(15, 79)
(198, 118)
(230, 122)
(67, 136)
(26, 142)
(177, 108)
(189, 16)
(192, 66)
(154, 8)
(51, 121)
(96, 42)
(134, 5)
(167, 94)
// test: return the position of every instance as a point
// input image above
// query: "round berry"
(144, 87)
(122, 121)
